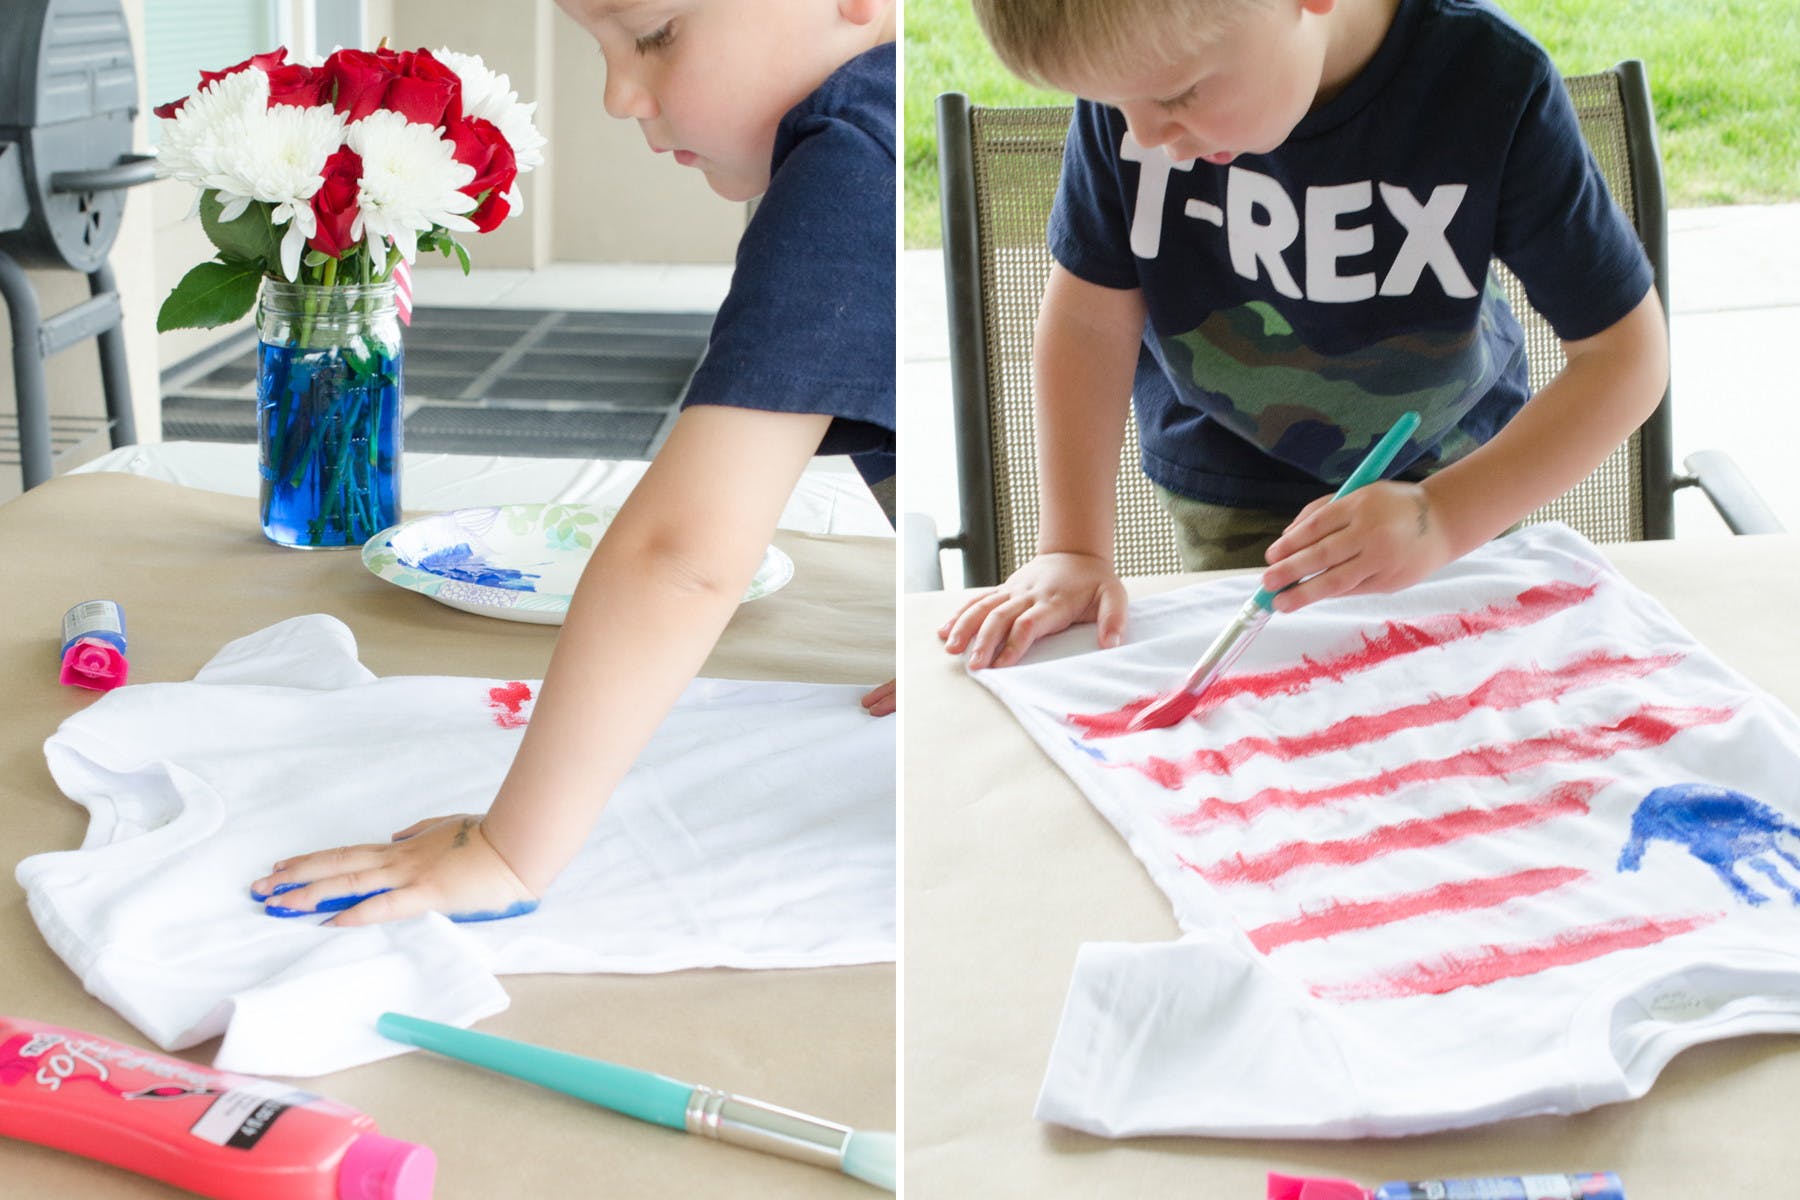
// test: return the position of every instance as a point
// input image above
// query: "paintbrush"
(660, 1100)
(1257, 610)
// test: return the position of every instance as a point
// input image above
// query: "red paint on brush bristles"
(1650, 726)
(1564, 800)
(1344, 916)
(1490, 964)
(1509, 689)
(1396, 640)
(507, 701)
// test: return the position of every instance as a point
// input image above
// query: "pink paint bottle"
(232, 1137)
(93, 645)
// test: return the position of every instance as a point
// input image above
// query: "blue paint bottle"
(1601, 1185)
(93, 645)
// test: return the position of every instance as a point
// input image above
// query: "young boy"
(1274, 225)
(792, 101)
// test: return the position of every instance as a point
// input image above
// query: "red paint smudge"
(1564, 800)
(506, 702)
(1397, 639)
(1489, 964)
(1509, 689)
(1648, 727)
(1344, 916)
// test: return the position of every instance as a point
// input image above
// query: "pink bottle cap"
(1301, 1187)
(385, 1168)
(92, 663)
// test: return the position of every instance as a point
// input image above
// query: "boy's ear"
(862, 12)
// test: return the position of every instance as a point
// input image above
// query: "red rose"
(359, 81)
(334, 204)
(413, 84)
(480, 144)
(262, 62)
(427, 91)
(301, 86)
(266, 63)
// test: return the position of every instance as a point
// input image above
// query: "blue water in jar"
(328, 433)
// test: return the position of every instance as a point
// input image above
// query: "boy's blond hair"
(1051, 41)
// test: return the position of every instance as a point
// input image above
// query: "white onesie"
(756, 830)
(1499, 844)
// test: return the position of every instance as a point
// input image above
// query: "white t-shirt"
(755, 830)
(1499, 844)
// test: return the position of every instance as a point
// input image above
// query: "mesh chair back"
(999, 170)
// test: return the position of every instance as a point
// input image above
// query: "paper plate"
(518, 562)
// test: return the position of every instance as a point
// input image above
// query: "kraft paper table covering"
(992, 827)
(192, 572)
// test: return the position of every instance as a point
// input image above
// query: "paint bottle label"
(1603, 1185)
(102, 619)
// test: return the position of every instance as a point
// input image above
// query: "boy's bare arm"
(661, 586)
(1084, 353)
(1391, 535)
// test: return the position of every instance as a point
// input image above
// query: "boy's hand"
(1046, 595)
(444, 864)
(883, 700)
(1380, 538)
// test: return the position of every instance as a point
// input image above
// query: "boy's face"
(1242, 93)
(709, 80)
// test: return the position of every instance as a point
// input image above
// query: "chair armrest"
(920, 569)
(1730, 491)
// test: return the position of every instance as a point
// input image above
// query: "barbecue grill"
(68, 95)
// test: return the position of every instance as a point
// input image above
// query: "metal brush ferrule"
(766, 1127)
(1225, 649)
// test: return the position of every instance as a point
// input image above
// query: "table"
(192, 572)
(1008, 870)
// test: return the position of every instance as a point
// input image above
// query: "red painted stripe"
(1566, 799)
(1490, 964)
(1648, 727)
(1505, 690)
(1396, 640)
(1344, 916)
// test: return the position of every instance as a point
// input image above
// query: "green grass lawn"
(1725, 77)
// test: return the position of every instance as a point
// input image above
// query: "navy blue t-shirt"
(1300, 301)
(808, 325)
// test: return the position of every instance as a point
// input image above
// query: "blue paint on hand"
(335, 904)
(1722, 829)
(516, 909)
(259, 897)
(339, 903)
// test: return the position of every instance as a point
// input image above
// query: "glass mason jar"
(328, 400)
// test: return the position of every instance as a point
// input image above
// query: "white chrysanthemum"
(490, 97)
(409, 183)
(280, 160)
(210, 128)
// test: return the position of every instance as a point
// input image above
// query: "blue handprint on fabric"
(1722, 829)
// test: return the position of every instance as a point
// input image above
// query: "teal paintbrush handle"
(641, 1094)
(1367, 471)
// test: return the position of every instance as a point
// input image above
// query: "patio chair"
(999, 171)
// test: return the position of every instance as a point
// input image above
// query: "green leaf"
(210, 295)
(250, 237)
(462, 254)
(315, 258)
